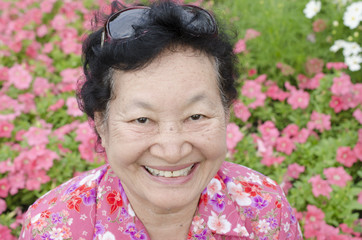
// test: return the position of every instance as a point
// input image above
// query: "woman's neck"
(172, 224)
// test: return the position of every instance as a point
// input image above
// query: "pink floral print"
(238, 203)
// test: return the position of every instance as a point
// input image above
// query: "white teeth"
(178, 173)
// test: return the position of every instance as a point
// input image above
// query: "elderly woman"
(159, 83)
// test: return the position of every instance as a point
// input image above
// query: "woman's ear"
(100, 126)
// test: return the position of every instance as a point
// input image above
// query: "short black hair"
(165, 28)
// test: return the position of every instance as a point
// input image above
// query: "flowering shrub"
(298, 118)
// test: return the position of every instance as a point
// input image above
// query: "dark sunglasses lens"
(122, 25)
(199, 20)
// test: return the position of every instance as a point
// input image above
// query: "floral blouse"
(238, 203)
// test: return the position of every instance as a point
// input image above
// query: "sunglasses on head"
(121, 25)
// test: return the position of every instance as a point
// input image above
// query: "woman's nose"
(171, 144)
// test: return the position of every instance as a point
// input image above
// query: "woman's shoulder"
(259, 201)
(64, 208)
(242, 174)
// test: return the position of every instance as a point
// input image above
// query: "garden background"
(298, 120)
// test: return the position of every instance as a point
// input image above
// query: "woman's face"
(166, 130)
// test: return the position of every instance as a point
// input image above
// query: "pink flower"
(313, 83)
(47, 6)
(291, 130)
(42, 30)
(251, 33)
(35, 179)
(358, 150)
(84, 132)
(272, 160)
(319, 121)
(285, 68)
(314, 215)
(357, 93)
(319, 25)
(320, 186)
(32, 49)
(241, 111)
(86, 150)
(252, 72)
(4, 74)
(6, 166)
(336, 103)
(65, 129)
(314, 66)
(2, 206)
(268, 129)
(346, 156)
(5, 233)
(251, 89)
(357, 114)
(302, 136)
(27, 99)
(57, 105)
(233, 136)
(360, 197)
(4, 187)
(337, 65)
(40, 86)
(337, 176)
(259, 101)
(341, 85)
(240, 46)
(294, 170)
(73, 108)
(20, 77)
(275, 93)
(59, 22)
(48, 47)
(298, 99)
(37, 136)
(5, 129)
(303, 81)
(285, 145)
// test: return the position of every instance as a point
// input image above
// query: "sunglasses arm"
(102, 40)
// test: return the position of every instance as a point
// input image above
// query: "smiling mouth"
(170, 174)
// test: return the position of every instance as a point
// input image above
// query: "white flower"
(338, 44)
(238, 194)
(197, 223)
(353, 62)
(107, 236)
(264, 226)
(35, 218)
(90, 178)
(254, 178)
(353, 15)
(56, 233)
(213, 187)
(241, 230)
(286, 227)
(270, 181)
(351, 48)
(219, 224)
(312, 8)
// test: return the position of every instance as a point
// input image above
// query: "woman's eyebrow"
(201, 97)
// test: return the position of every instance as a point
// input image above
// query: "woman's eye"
(196, 117)
(142, 120)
